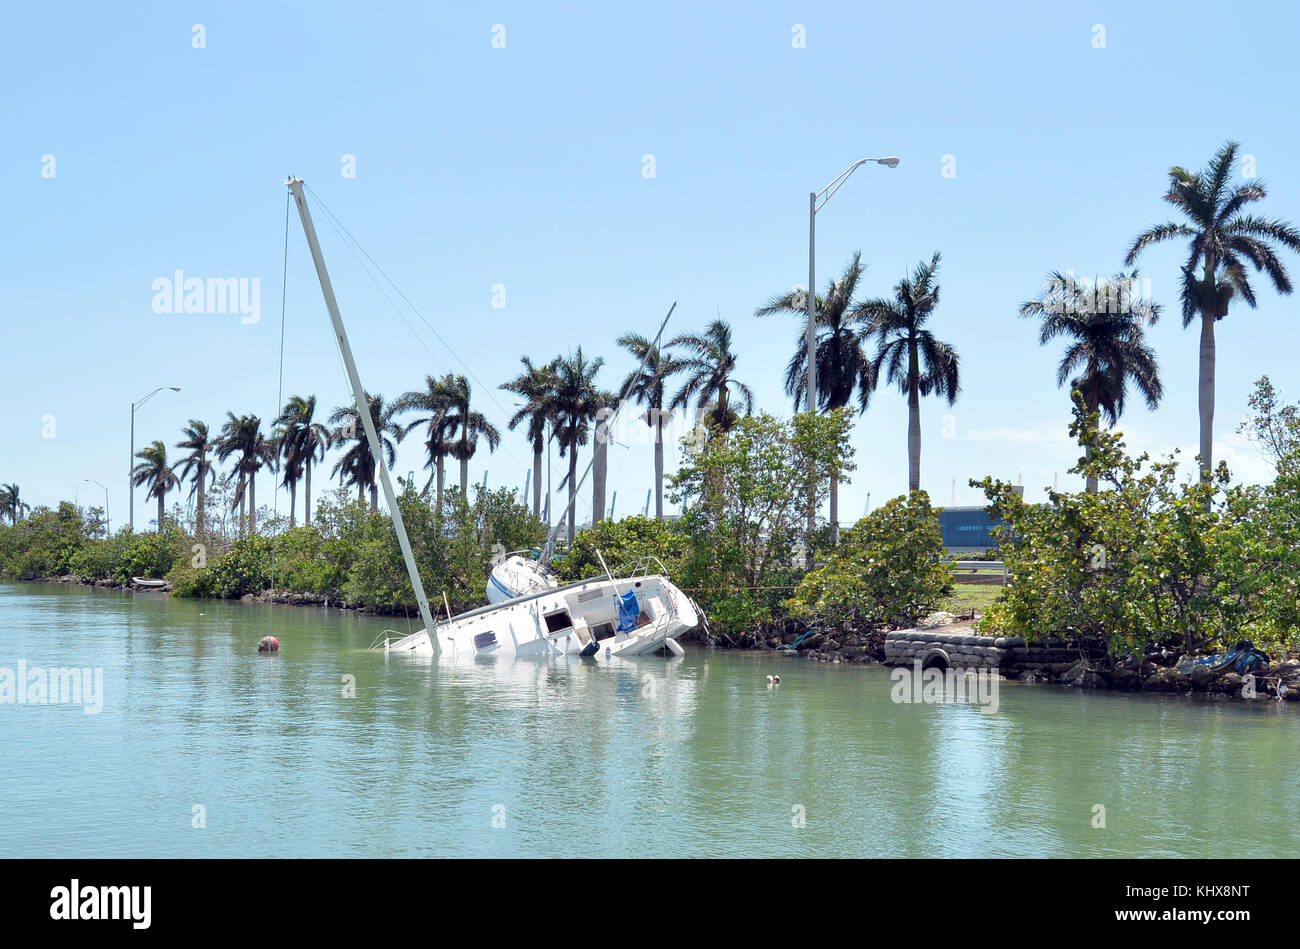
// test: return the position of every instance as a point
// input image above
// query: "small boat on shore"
(148, 584)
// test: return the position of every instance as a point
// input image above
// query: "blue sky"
(523, 166)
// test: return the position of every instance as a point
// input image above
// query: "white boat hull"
(580, 619)
(517, 576)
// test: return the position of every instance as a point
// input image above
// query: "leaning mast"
(363, 408)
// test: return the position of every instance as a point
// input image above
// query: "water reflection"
(332, 749)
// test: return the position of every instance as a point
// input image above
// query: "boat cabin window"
(603, 631)
(557, 621)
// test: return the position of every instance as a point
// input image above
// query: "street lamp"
(130, 490)
(108, 523)
(816, 201)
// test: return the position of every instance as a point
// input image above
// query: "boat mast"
(363, 408)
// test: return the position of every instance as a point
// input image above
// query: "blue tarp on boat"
(628, 611)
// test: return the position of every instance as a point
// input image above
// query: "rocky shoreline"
(279, 597)
(945, 641)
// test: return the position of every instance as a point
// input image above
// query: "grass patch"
(977, 597)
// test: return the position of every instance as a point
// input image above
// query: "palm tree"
(434, 401)
(11, 505)
(1221, 242)
(155, 472)
(910, 356)
(467, 427)
(648, 388)
(709, 365)
(196, 465)
(302, 442)
(576, 404)
(1108, 348)
(537, 386)
(243, 436)
(843, 364)
(357, 466)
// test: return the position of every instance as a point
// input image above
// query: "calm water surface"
(690, 757)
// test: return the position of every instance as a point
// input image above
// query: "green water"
(692, 757)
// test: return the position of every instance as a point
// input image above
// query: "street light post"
(814, 206)
(130, 490)
(816, 201)
(108, 523)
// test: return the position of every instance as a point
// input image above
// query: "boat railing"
(640, 566)
(383, 638)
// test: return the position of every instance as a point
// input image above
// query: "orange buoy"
(268, 644)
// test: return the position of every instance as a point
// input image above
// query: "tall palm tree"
(302, 442)
(357, 466)
(576, 403)
(434, 403)
(910, 355)
(196, 465)
(1108, 347)
(243, 436)
(11, 505)
(648, 388)
(467, 427)
(155, 472)
(844, 367)
(537, 386)
(1221, 241)
(709, 366)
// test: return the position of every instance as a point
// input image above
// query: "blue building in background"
(967, 529)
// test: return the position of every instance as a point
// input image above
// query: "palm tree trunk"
(464, 476)
(659, 467)
(293, 503)
(374, 498)
(1205, 392)
(1091, 404)
(537, 480)
(913, 436)
(835, 507)
(573, 492)
(243, 502)
(442, 473)
(306, 495)
(599, 468)
(252, 502)
(160, 513)
(199, 523)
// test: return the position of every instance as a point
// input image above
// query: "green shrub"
(1146, 559)
(888, 569)
(623, 542)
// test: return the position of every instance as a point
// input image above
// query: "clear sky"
(525, 167)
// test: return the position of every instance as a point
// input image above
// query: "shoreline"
(1069, 664)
